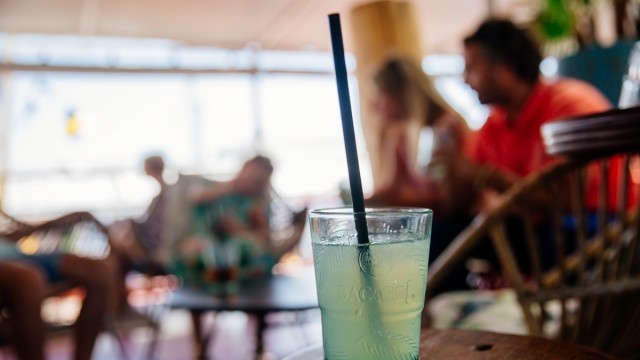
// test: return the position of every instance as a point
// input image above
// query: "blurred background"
(89, 88)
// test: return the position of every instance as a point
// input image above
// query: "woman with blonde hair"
(406, 101)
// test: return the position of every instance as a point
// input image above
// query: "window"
(76, 140)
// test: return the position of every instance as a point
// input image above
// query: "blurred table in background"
(257, 296)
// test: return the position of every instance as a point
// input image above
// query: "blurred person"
(24, 281)
(136, 239)
(237, 211)
(406, 101)
(502, 66)
(231, 213)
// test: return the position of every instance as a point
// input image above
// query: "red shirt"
(518, 147)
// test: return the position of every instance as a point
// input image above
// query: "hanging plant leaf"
(555, 21)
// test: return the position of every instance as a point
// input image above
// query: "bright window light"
(76, 140)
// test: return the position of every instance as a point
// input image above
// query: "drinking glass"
(371, 295)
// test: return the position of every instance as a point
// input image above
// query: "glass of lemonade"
(371, 295)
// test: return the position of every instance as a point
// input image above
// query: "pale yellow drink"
(371, 296)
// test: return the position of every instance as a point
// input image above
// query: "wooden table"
(480, 345)
(257, 296)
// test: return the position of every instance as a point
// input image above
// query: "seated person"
(23, 286)
(135, 239)
(406, 101)
(235, 212)
(503, 67)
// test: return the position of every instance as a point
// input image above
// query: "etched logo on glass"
(375, 263)
(391, 293)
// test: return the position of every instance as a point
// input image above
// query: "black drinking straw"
(347, 129)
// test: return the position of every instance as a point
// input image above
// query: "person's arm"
(257, 229)
(471, 180)
(456, 129)
(488, 176)
(389, 155)
(212, 193)
(467, 179)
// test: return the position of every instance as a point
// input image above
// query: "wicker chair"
(81, 234)
(49, 236)
(593, 275)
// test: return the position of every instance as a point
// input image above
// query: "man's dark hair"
(508, 44)
(155, 163)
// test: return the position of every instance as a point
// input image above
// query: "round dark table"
(481, 345)
(257, 296)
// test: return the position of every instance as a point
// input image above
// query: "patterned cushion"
(496, 310)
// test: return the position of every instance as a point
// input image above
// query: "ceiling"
(234, 24)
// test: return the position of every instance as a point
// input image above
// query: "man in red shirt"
(502, 66)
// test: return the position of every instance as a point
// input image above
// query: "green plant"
(567, 25)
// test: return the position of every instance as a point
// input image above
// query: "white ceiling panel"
(273, 24)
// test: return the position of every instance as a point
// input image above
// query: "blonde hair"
(403, 79)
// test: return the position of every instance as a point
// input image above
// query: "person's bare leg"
(24, 288)
(125, 252)
(97, 277)
(120, 265)
(123, 237)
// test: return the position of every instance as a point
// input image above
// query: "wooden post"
(5, 112)
(380, 29)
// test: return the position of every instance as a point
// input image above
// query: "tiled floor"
(234, 339)
(234, 332)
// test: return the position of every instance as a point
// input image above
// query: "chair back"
(578, 222)
(76, 233)
(11, 227)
